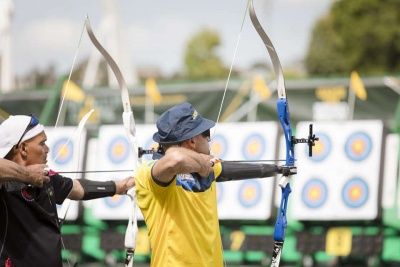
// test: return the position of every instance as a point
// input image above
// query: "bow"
(77, 140)
(129, 125)
(284, 118)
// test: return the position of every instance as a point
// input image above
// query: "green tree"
(356, 35)
(201, 59)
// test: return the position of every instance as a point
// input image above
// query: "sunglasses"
(32, 123)
(206, 133)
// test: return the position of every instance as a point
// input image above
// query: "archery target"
(65, 148)
(235, 199)
(355, 193)
(321, 149)
(219, 146)
(314, 193)
(347, 167)
(245, 199)
(112, 151)
(67, 153)
(62, 151)
(358, 146)
(249, 193)
(118, 149)
(114, 201)
(253, 147)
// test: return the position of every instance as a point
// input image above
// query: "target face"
(253, 147)
(322, 148)
(114, 201)
(219, 146)
(118, 150)
(314, 193)
(249, 193)
(355, 193)
(358, 146)
(62, 151)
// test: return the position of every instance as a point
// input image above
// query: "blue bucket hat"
(180, 123)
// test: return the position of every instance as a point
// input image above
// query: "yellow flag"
(236, 101)
(357, 86)
(3, 114)
(261, 87)
(89, 104)
(152, 91)
(74, 92)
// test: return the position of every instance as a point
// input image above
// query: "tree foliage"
(201, 59)
(356, 35)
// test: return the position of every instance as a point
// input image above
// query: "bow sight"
(142, 151)
(310, 141)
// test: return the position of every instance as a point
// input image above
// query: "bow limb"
(284, 118)
(129, 125)
(76, 137)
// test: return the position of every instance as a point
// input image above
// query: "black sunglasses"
(206, 133)
(32, 123)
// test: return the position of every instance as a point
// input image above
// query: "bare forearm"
(11, 171)
(33, 174)
(186, 161)
(181, 160)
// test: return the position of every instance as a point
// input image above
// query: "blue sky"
(48, 31)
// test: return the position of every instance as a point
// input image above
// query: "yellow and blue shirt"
(182, 218)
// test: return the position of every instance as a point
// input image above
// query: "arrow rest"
(288, 170)
(310, 141)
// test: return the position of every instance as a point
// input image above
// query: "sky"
(48, 32)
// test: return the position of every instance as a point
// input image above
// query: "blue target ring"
(219, 146)
(322, 148)
(355, 192)
(358, 146)
(118, 149)
(253, 147)
(250, 193)
(114, 201)
(62, 151)
(314, 193)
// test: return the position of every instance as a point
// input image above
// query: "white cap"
(12, 129)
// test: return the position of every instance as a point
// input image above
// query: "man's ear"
(23, 147)
(189, 143)
(192, 140)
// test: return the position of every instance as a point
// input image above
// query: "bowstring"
(230, 72)
(70, 74)
(227, 83)
(59, 113)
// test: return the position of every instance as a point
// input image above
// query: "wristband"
(97, 189)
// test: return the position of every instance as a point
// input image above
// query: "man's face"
(202, 143)
(36, 149)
